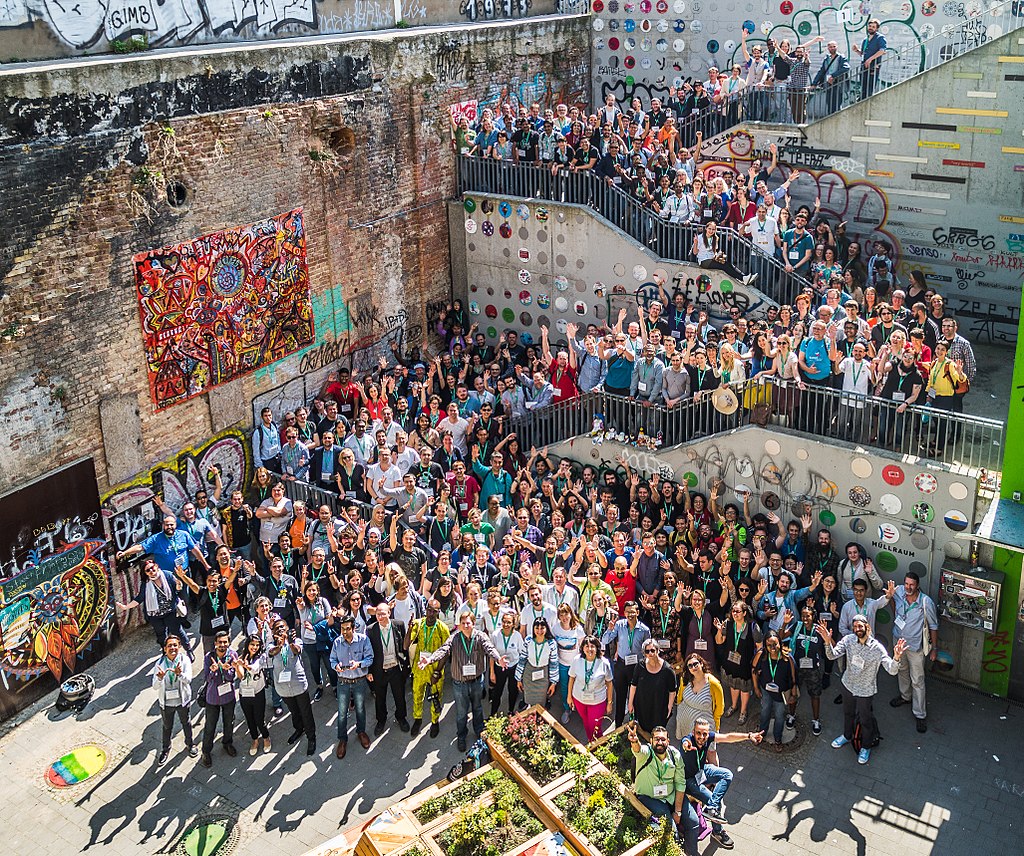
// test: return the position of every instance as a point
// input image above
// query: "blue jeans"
(772, 708)
(689, 824)
(348, 691)
(320, 666)
(720, 778)
(469, 695)
(563, 685)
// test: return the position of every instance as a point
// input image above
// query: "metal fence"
(816, 410)
(671, 241)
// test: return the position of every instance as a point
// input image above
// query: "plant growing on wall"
(144, 185)
(323, 163)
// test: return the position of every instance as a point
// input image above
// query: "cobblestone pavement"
(957, 789)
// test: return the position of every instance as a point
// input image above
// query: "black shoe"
(899, 701)
(164, 755)
(715, 816)
(230, 749)
(460, 744)
(379, 730)
(417, 725)
(193, 751)
(296, 735)
(723, 839)
(319, 694)
(311, 747)
(206, 760)
(435, 729)
(403, 725)
(838, 699)
(922, 725)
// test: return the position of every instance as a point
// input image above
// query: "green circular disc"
(726, 286)
(690, 478)
(206, 839)
(804, 28)
(492, 333)
(507, 315)
(882, 617)
(886, 561)
(469, 205)
(630, 80)
(827, 518)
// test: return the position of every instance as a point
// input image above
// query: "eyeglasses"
(693, 665)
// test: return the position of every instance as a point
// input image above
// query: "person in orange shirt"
(298, 528)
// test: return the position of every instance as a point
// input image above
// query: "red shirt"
(348, 398)
(624, 587)
(465, 495)
(564, 381)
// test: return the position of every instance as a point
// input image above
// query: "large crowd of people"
(399, 537)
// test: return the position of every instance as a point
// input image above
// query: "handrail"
(800, 106)
(671, 241)
(817, 410)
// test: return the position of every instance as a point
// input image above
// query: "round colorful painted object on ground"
(205, 839)
(77, 766)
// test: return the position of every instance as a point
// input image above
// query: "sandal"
(778, 747)
(742, 720)
(729, 712)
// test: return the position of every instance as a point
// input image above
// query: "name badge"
(806, 663)
(701, 777)
(771, 687)
(350, 494)
(794, 255)
(663, 643)
(631, 659)
(899, 622)
(469, 670)
(463, 506)
(537, 675)
(856, 661)
(280, 602)
(224, 689)
(556, 392)
(641, 386)
(826, 616)
(899, 396)
(172, 697)
(661, 790)
(285, 677)
(218, 621)
(734, 657)
(700, 645)
(308, 636)
(676, 334)
(247, 690)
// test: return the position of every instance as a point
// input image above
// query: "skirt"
(535, 691)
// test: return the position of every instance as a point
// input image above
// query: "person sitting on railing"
(708, 252)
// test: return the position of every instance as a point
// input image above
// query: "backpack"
(858, 740)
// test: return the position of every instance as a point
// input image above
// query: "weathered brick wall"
(74, 150)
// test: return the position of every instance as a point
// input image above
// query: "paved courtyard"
(958, 789)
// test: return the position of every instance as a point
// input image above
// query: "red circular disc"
(629, 62)
(892, 474)
(786, 7)
(613, 44)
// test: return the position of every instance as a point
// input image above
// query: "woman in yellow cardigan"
(943, 377)
(701, 695)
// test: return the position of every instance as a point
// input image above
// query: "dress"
(650, 702)
(691, 705)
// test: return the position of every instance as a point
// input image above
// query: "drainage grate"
(210, 834)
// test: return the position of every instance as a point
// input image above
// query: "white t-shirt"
(568, 642)
(458, 431)
(392, 479)
(594, 690)
(510, 648)
(762, 235)
(856, 378)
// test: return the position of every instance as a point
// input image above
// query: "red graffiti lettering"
(995, 660)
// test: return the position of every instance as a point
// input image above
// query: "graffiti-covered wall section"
(906, 516)
(551, 264)
(56, 611)
(38, 29)
(202, 231)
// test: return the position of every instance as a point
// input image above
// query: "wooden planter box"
(537, 809)
(518, 772)
(410, 805)
(577, 839)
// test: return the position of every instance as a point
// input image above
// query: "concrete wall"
(853, 492)
(643, 48)
(76, 145)
(40, 29)
(564, 263)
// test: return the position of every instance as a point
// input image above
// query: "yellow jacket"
(943, 377)
(717, 700)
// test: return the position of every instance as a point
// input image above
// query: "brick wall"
(80, 209)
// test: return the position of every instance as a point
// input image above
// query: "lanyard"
(468, 648)
(599, 625)
(808, 638)
(428, 632)
(736, 636)
(665, 618)
(169, 671)
(536, 651)
(215, 602)
(700, 622)
(629, 635)
(387, 642)
(505, 640)
(659, 767)
(911, 606)
(700, 378)
(772, 670)
(857, 372)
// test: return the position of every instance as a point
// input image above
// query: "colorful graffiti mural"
(223, 305)
(55, 591)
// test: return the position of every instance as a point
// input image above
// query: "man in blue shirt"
(351, 658)
(871, 51)
(916, 621)
(168, 547)
(797, 247)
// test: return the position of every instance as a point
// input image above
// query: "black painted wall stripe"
(948, 179)
(928, 126)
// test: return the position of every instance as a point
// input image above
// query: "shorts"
(810, 681)
(738, 684)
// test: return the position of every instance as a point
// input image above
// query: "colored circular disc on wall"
(770, 500)
(661, 26)
(749, 27)
(679, 7)
(958, 490)
(890, 504)
(507, 315)
(928, 8)
(492, 333)
(804, 28)
(926, 482)
(526, 337)
(505, 209)
(786, 7)
(920, 541)
(690, 479)
(525, 276)
(613, 6)
(76, 766)
(646, 45)
(542, 215)
(742, 491)
(955, 520)
(858, 526)
(661, 6)
(561, 283)
(678, 46)
(543, 301)
(505, 230)
(629, 62)
(613, 43)
(628, 43)
(661, 45)
(829, 489)
(745, 468)
(771, 474)
(802, 454)
(469, 205)
(889, 533)
(860, 496)
(826, 517)
(645, 26)
(696, 26)
(487, 227)
(645, 6)
(598, 289)
(490, 311)
(728, 45)
(629, 7)
(525, 319)
(523, 211)
(772, 447)
(525, 298)
(561, 304)
(923, 512)
(919, 568)
(598, 25)
(766, 27)
(581, 307)
(597, 5)
(886, 561)
(487, 206)
(861, 468)
(471, 226)
(629, 25)
(891, 474)
(474, 308)
(712, 46)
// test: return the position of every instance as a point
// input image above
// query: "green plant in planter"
(617, 756)
(491, 830)
(665, 843)
(466, 792)
(533, 743)
(598, 811)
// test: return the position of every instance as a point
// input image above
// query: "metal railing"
(671, 241)
(817, 410)
(781, 105)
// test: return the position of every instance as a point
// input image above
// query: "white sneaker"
(815, 726)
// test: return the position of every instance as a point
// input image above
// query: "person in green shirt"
(660, 782)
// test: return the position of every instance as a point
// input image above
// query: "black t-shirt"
(238, 521)
(897, 382)
(583, 156)
(781, 68)
(428, 478)
(696, 758)
(213, 611)
(525, 144)
(410, 561)
(563, 156)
